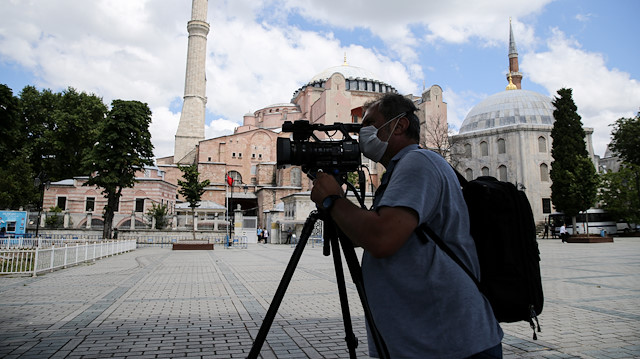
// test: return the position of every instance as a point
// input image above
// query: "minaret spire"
(514, 76)
(191, 126)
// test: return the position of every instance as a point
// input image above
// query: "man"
(563, 233)
(423, 303)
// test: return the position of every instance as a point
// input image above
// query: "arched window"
(542, 144)
(468, 174)
(484, 148)
(485, 171)
(467, 150)
(237, 177)
(544, 172)
(502, 173)
(502, 148)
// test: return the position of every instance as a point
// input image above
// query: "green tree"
(16, 173)
(124, 147)
(159, 214)
(620, 193)
(574, 180)
(192, 189)
(62, 129)
(54, 219)
(626, 139)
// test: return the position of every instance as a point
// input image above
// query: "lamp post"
(41, 182)
(232, 213)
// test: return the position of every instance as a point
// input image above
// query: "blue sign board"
(13, 223)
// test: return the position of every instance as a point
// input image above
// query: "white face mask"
(371, 146)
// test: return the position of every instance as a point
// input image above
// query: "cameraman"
(422, 302)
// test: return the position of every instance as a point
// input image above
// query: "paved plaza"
(159, 303)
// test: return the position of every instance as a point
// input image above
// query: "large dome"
(349, 72)
(357, 79)
(509, 108)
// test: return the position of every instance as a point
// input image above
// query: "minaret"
(514, 70)
(191, 127)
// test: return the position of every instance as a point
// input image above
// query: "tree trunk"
(193, 217)
(112, 201)
(586, 220)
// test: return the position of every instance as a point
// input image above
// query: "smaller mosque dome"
(509, 107)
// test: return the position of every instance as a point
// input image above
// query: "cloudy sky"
(261, 51)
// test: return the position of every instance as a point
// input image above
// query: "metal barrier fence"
(33, 261)
(239, 242)
(30, 243)
(313, 241)
(83, 236)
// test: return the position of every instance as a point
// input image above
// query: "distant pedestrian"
(265, 235)
(563, 233)
(546, 230)
(289, 233)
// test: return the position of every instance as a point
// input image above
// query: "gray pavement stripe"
(94, 310)
(201, 307)
(20, 283)
(282, 336)
(349, 284)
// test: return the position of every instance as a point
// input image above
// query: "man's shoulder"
(421, 155)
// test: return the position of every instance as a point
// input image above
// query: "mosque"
(248, 156)
(508, 136)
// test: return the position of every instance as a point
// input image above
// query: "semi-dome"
(509, 108)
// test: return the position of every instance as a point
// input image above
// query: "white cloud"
(219, 127)
(453, 21)
(459, 105)
(164, 125)
(601, 94)
(267, 64)
(137, 50)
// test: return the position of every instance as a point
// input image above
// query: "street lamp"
(41, 182)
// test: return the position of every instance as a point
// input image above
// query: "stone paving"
(158, 303)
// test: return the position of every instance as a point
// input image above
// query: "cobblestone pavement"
(158, 303)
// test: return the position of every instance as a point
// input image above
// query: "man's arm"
(380, 232)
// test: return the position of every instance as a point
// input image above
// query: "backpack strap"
(436, 239)
(443, 246)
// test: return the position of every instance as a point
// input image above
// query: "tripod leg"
(350, 338)
(356, 275)
(282, 287)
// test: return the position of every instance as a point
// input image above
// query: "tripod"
(331, 239)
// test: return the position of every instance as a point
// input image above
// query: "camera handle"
(332, 238)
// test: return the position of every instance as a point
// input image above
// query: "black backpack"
(503, 229)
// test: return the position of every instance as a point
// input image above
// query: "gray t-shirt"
(423, 303)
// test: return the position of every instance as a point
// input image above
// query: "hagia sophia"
(507, 136)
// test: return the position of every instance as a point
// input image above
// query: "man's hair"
(391, 105)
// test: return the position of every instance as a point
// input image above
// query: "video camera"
(333, 157)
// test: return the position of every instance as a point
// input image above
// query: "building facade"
(82, 206)
(508, 136)
(249, 155)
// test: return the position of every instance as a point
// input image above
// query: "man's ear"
(403, 124)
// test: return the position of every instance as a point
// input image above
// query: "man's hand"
(324, 185)
(380, 232)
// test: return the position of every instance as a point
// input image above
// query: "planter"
(591, 239)
(192, 246)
